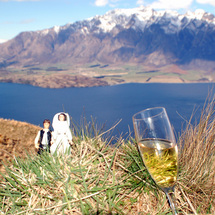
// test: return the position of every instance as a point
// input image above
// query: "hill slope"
(100, 179)
(15, 138)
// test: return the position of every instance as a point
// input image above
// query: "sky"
(17, 16)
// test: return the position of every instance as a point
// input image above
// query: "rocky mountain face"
(139, 35)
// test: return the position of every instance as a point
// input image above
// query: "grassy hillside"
(99, 178)
(16, 138)
(62, 75)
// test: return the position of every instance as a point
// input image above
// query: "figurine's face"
(61, 117)
(46, 125)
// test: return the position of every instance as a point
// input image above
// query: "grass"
(127, 73)
(99, 178)
(197, 161)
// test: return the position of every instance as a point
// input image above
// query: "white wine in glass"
(158, 148)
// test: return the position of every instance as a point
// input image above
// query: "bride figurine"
(62, 136)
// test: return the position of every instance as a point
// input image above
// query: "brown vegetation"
(16, 138)
(100, 179)
(197, 161)
(54, 80)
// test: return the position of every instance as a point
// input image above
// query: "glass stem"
(171, 200)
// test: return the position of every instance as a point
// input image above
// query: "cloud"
(22, 22)
(101, 3)
(140, 2)
(211, 2)
(27, 21)
(168, 4)
(7, 23)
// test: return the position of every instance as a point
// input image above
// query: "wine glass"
(158, 148)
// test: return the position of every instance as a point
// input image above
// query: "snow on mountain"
(56, 29)
(3, 40)
(137, 18)
(142, 17)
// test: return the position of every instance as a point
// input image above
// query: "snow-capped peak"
(145, 16)
(56, 29)
(136, 18)
(123, 16)
(198, 14)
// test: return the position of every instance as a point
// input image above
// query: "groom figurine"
(44, 137)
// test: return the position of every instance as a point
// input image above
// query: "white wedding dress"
(61, 136)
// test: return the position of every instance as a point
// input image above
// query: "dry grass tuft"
(197, 162)
(99, 178)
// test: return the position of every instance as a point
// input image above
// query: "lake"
(107, 105)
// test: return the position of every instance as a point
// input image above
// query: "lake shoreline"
(66, 81)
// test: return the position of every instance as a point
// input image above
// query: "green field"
(109, 74)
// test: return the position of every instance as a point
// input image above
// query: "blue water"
(107, 105)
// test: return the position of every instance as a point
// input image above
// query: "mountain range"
(140, 36)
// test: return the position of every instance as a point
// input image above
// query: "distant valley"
(137, 45)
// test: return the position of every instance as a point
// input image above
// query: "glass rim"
(147, 109)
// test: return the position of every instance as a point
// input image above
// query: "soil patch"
(16, 138)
